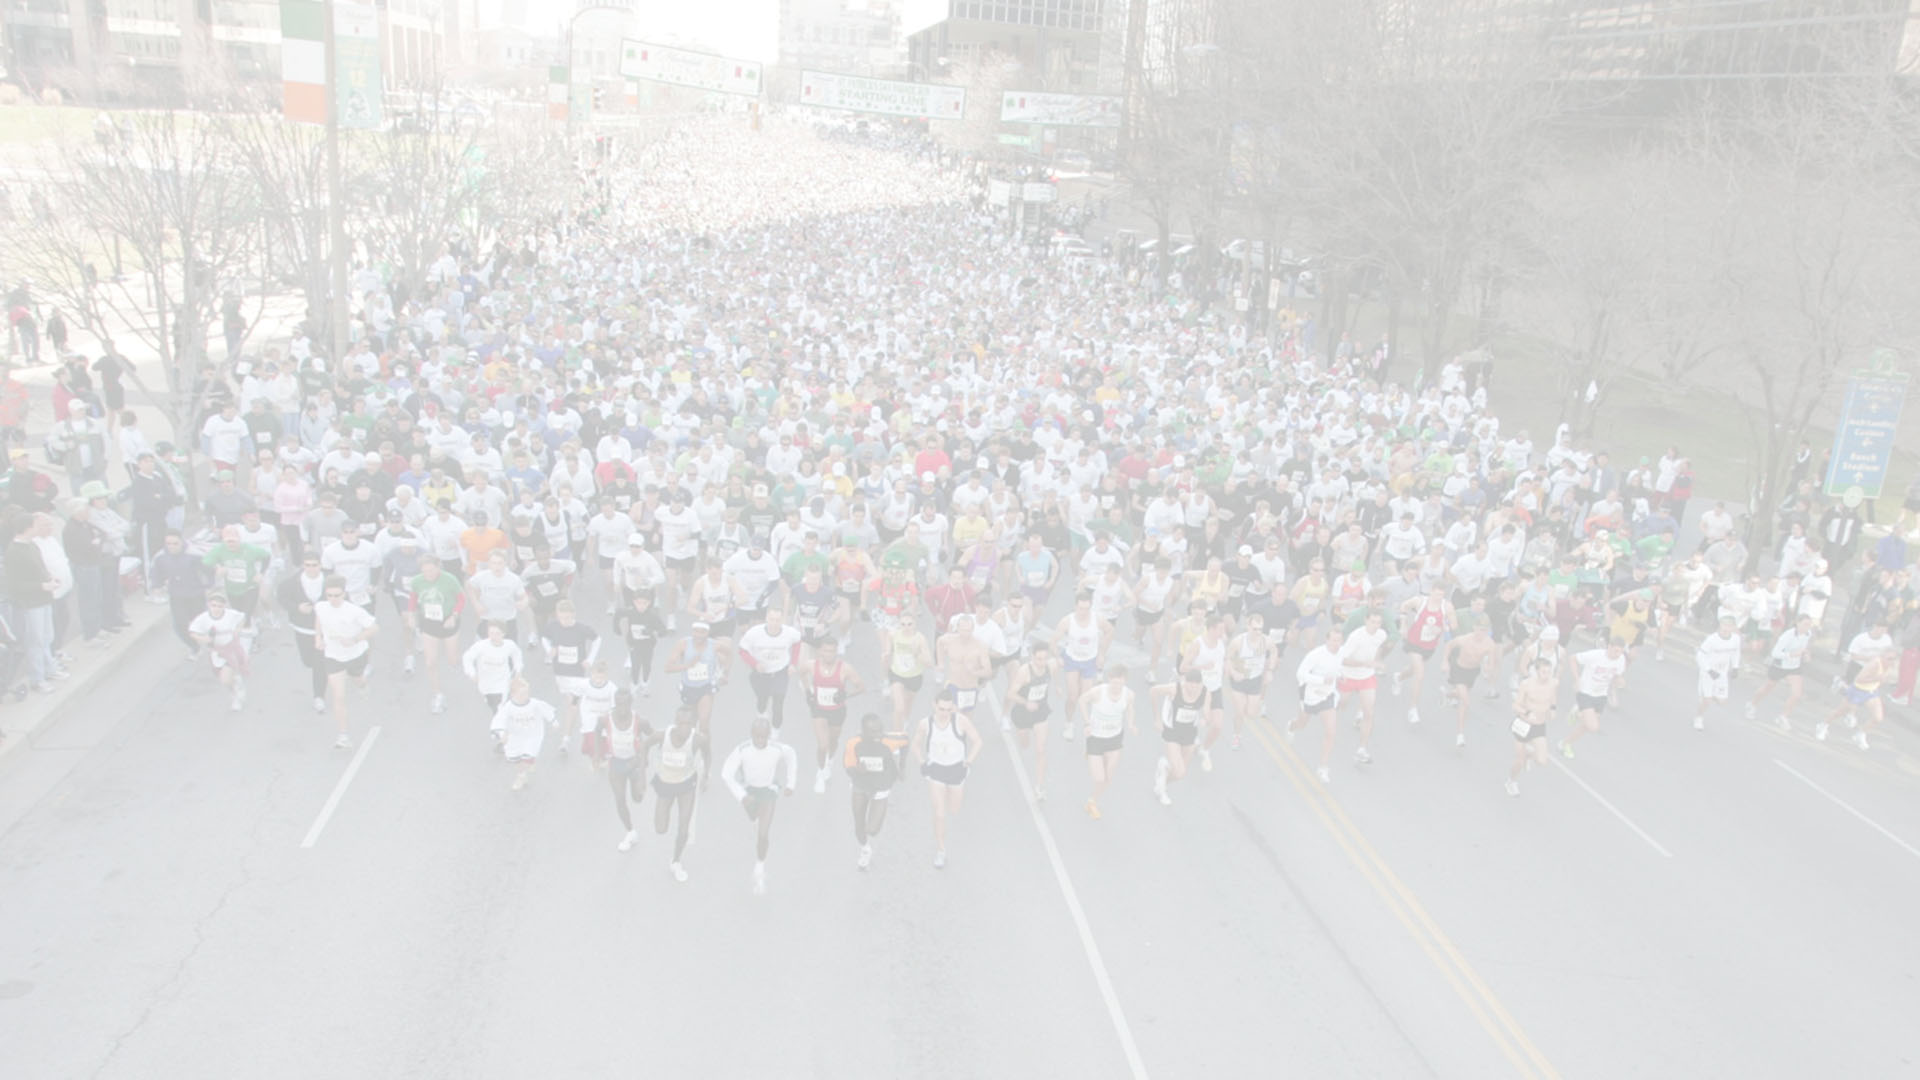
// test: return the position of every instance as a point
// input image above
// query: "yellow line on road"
(1506, 1033)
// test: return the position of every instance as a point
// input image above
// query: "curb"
(65, 700)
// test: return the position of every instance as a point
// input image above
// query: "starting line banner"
(683, 67)
(1059, 110)
(926, 101)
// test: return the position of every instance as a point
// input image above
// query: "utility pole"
(336, 210)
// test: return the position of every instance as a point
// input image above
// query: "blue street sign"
(1863, 441)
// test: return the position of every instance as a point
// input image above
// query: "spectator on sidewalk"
(183, 576)
(113, 394)
(116, 535)
(151, 497)
(30, 589)
(132, 440)
(54, 555)
(27, 487)
(14, 404)
(89, 560)
(25, 331)
(79, 444)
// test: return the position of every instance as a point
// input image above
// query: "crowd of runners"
(824, 428)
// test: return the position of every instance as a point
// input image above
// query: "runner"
(1108, 709)
(299, 595)
(342, 633)
(1784, 661)
(493, 663)
(1361, 654)
(571, 648)
(1207, 654)
(1319, 676)
(758, 771)
(639, 624)
(905, 653)
(828, 682)
(1083, 642)
(1465, 657)
(768, 649)
(963, 663)
(1028, 684)
(1180, 706)
(701, 662)
(685, 759)
(217, 630)
(1718, 657)
(946, 745)
(873, 766)
(1596, 673)
(520, 728)
(1251, 657)
(1428, 620)
(623, 750)
(1534, 705)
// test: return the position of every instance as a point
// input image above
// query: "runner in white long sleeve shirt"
(757, 772)
(1319, 679)
(493, 663)
(1718, 655)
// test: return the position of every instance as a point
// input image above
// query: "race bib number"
(1037, 693)
(827, 695)
(873, 763)
(637, 632)
(566, 654)
(547, 588)
(964, 699)
(1522, 729)
(697, 673)
(1036, 578)
(434, 611)
(237, 574)
(1429, 633)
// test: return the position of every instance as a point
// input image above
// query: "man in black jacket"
(152, 495)
(183, 577)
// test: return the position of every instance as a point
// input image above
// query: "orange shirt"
(478, 543)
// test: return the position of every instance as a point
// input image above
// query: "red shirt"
(947, 601)
(931, 461)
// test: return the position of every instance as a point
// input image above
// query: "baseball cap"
(1245, 550)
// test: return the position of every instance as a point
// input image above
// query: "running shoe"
(1699, 723)
(406, 665)
(759, 879)
(1460, 740)
(627, 841)
(1784, 724)
(439, 704)
(1860, 739)
(1235, 743)
(1820, 731)
(320, 704)
(1751, 712)
(1393, 684)
(343, 743)
(1361, 756)
(1325, 775)
(519, 780)
(679, 872)
(1039, 794)
(820, 781)
(1852, 721)
(940, 860)
(1413, 715)
(1206, 760)
(1566, 750)
(1513, 789)
(1067, 732)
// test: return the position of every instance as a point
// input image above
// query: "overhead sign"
(999, 192)
(1059, 110)
(1863, 441)
(1040, 192)
(925, 101)
(683, 67)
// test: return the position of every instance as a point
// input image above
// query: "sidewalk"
(24, 721)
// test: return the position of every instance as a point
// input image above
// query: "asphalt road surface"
(1734, 902)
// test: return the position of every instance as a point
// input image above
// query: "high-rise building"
(159, 50)
(855, 37)
(1055, 43)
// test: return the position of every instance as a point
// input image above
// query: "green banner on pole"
(356, 64)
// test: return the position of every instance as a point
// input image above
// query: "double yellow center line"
(1527, 1059)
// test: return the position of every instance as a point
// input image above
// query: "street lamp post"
(585, 9)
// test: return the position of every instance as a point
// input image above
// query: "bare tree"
(168, 202)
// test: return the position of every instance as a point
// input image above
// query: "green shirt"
(435, 600)
(236, 569)
(800, 562)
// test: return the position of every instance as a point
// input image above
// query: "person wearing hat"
(702, 663)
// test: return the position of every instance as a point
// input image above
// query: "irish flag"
(303, 60)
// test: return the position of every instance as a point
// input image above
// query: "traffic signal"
(599, 98)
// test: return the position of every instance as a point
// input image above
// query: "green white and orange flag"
(303, 60)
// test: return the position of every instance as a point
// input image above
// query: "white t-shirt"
(525, 726)
(1718, 655)
(1598, 672)
(1360, 653)
(770, 652)
(679, 533)
(1318, 673)
(492, 667)
(220, 632)
(1789, 649)
(338, 625)
(498, 595)
(354, 565)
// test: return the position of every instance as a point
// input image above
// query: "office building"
(854, 37)
(1055, 43)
